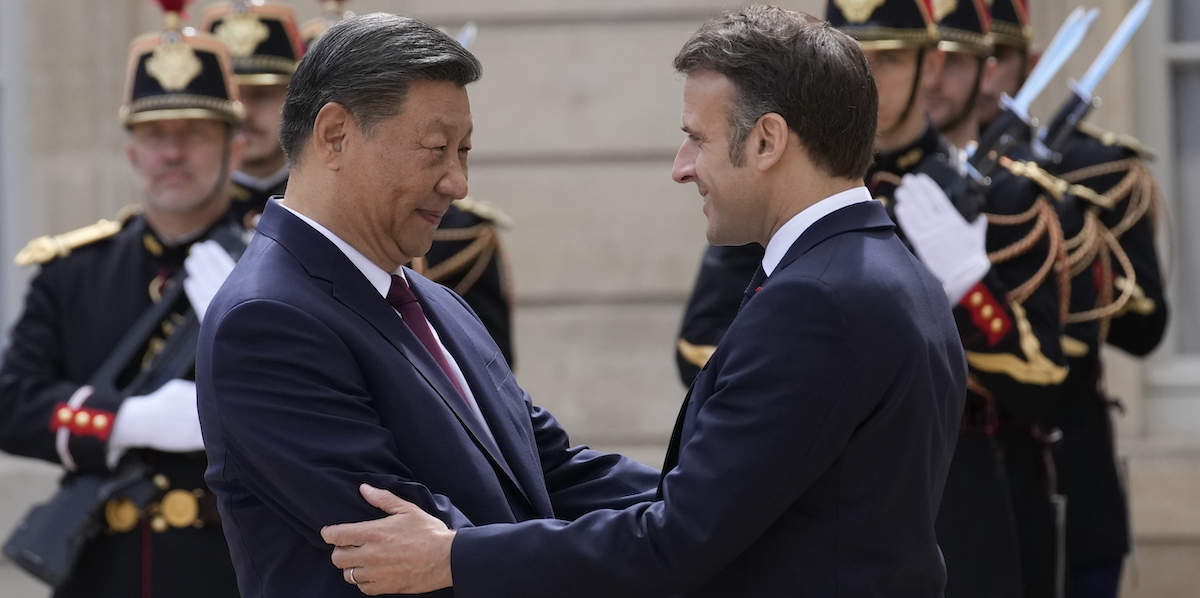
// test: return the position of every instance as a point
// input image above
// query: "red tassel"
(173, 5)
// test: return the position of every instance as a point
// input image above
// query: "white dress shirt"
(382, 281)
(791, 230)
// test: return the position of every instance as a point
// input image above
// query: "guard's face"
(177, 163)
(729, 192)
(405, 174)
(1006, 78)
(947, 97)
(894, 71)
(263, 104)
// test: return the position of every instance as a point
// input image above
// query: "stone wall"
(577, 123)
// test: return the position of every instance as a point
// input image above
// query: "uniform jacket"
(808, 459)
(1097, 514)
(310, 384)
(77, 310)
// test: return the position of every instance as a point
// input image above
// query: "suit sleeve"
(714, 506)
(581, 480)
(301, 438)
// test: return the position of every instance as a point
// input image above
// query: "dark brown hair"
(799, 67)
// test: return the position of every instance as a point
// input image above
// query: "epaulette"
(484, 209)
(1053, 185)
(44, 249)
(1110, 138)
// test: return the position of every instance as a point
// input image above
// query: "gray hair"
(365, 64)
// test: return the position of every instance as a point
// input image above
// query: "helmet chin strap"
(912, 96)
(967, 108)
(223, 177)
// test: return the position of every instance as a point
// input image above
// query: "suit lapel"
(502, 416)
(860, 216)
(323, 260)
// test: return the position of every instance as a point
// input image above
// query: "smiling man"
(810, 455)
(324, 362)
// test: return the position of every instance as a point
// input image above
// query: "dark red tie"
(402, 298)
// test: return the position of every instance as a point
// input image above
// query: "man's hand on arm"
(407, 552)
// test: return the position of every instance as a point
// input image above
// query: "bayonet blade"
(1087, 85)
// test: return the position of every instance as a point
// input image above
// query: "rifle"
(1013, 127)
(1082, 99)
(49, 539)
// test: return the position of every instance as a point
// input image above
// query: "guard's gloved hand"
(207, 265)
(953, 249)
(164, 420)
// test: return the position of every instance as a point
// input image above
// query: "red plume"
(173, 5)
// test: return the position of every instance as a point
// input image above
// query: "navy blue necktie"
(760, 276)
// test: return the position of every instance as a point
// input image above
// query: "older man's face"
(177, 163)
(404, 176)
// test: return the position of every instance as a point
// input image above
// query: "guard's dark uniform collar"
(906, 159)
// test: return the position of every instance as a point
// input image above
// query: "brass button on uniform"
(180, 508)
(121, 515)
(997, 325)
(82, 419)
(976, 298)
(161, 482)
(100, 422)
(158, 524)
(987, 312)
(64, 415)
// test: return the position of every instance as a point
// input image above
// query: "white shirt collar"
(262, 184)
(791, 230)
(378, 277)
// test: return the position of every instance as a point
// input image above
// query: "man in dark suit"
(809, 457)
(323, 363)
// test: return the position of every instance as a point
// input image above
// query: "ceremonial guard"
(997, 269)
(133, 517)
(1109, 215)
(266, 47)
(1011, 34)
(467, 253)
(1023, 434)
(1117, 297)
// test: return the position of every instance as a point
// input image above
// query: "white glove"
(207, 265)
(953, 249)
(164, 420)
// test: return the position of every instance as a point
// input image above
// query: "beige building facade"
(577, 124)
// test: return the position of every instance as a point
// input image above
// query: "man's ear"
(237, 148)
(988, 78)
(768, 141)
(330, 130)
(931, 67)
(1031, 59)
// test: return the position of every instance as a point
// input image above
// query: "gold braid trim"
(1053, 185)
(1107, 306)
(1046, 224)
(47, 248)
(697, 355)
(1035, 368)
(474, 257)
